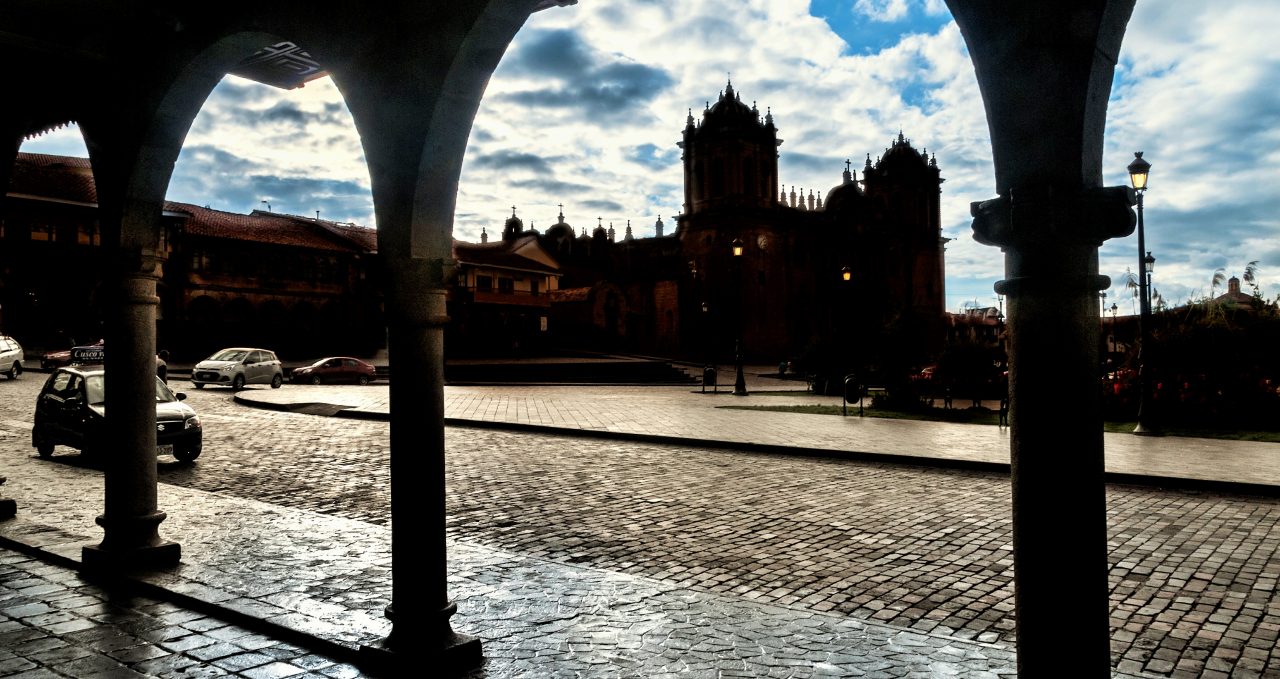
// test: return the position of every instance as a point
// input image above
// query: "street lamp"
(1114, 309)
(740, 380)
(1139, 171)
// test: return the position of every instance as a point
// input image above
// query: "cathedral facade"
(855, 275)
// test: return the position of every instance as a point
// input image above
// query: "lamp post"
(1114, 308)
(1139, 170)
(740, 380)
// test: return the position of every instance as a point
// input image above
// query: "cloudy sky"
(588, 104)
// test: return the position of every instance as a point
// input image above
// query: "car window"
(229, 355)
(95, 390)
(332, 363)
(163, 393)
(58, 383)
(269, 356)
(348, 363)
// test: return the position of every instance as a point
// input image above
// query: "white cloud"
(881, 10)
(596, 126)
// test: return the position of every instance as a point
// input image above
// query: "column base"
(131, 543)
(8, 507)
(1141, 430)
(452, 653)
(153, 557)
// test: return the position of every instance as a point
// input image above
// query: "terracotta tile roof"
(67, 178)
(571, 295)
(62, 178)
(274, 228)
(499, 253)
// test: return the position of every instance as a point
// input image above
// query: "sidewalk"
(301, 590)
(676, 414)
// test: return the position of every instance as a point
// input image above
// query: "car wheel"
(363, 380)
(44, 449)
(185, 454)
(15, 370)
(276, 381)
(237, 383)
(315, 379)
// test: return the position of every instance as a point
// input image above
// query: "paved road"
(1193, 574)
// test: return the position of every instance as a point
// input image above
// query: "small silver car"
(238, 366)
(10, 357)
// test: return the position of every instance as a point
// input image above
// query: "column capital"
(416, 290)
(135, 263)
(1046, 217)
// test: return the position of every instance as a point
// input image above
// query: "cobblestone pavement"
(1193, 573)
(53, 623)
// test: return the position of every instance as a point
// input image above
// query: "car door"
(254, 368)
(49, 405)
(66, 401)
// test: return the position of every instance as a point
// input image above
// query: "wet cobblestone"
(1193, 573)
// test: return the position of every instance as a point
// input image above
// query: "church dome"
(730, 111)
(513, 222)
(845, 193)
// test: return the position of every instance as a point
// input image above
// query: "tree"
(1219, 277)
(1131, 284)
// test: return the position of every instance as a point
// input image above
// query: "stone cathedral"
(858, 269)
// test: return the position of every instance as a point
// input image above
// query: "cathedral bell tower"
(730, 157)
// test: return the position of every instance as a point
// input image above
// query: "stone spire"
(484, 237)
(658, 226)
(628, 236)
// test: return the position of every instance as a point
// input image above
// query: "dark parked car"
(335, 369)
(70, 411)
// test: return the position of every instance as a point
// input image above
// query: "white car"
(10, 357)
(238, 366)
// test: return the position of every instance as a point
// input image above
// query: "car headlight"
(191, 422)
(227, 368)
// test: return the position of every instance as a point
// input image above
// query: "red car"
(58, 359)
(335, 369)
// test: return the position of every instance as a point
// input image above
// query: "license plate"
(166, 449)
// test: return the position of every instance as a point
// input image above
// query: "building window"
(484, 283)
(533, 287)
(506, 286)
(43, 232)
(87, 234)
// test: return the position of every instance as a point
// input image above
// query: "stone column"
(11, 136)
(1050, 240)
(130, 519)
(420, 608)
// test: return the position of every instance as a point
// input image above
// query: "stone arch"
(239, 322)
(203, 321)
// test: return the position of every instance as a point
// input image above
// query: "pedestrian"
(162, 365)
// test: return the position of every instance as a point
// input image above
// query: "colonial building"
(299, 285)
(501, 299)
